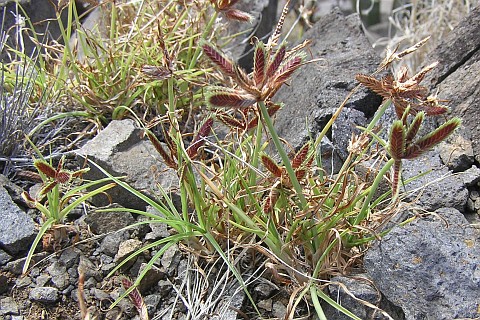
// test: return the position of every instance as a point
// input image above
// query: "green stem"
(316, 303)
(283, 154)
(364, 212)
(256, 151)
(205, 32)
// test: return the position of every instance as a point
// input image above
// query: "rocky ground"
(428, 269)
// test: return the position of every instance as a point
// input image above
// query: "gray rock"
(17, 229)
(48, 295)
(70, 257)
(89, 269)
(4, 257)
(361, 288)
(457, 152)
(152, 301)
(16, 266)
(8, 306)
(58, 272)
(3, 283)
(317, 90)
(170, 259)
(471, 176)
(344, 127)
(279, 310)
(105, 222)
(429, 267)
(42, 280)
(119, 150)
(110, 243)
(265, 289)
(436, 189)
(457, 77)
(151, 278)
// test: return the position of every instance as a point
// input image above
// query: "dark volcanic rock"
(429, 267)
(318, 89)
(458, 74)
(17, 229)
(361, 288)
(105, 222)
(436, 189)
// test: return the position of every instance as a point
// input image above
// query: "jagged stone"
(360, 286)
(458, 75)
(429, 267)
(17, 229)
(318, 89)
(119, 150)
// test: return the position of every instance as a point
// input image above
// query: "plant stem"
(364, 212)
(205, 32)
(283, 154)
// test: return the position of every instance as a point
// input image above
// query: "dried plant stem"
(283, 154)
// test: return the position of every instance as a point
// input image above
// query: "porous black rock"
(429, 267)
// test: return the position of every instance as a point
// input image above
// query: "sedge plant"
(57, 198)
(249, 190)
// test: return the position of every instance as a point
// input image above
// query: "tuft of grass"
(412, 21)
(244, 191)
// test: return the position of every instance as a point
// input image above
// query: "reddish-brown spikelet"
(223, 63)
(271, 166)
(29, 200)
(230, 98)
(199, 140)
(300, 156)
(47, 188)
(287, 70)
(373, 84)
(231, 122)
(252, 123)
(397, 169)
(300, 174)
(397, 140)
(136, 299)
(414, 127)
(433, 138)
(238, 15)
(158, 146)
(432, 107)
(259, 64)
(276, 62)
(45, 168)
(63, 176)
